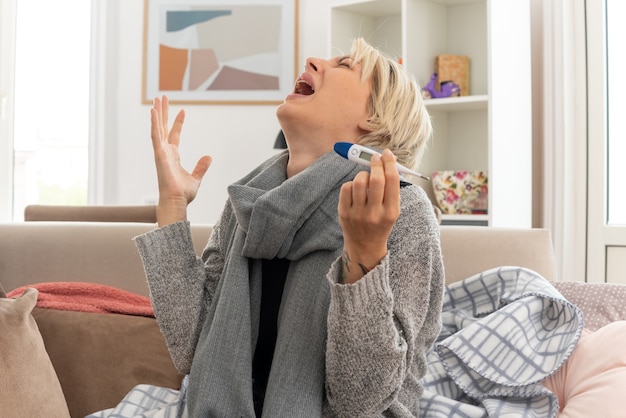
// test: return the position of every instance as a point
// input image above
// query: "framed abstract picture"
(220, 51)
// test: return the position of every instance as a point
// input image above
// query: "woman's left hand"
(368, 208)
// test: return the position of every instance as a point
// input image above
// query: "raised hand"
(177, 187)
(368, 209)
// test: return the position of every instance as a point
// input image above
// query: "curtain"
(559, 130)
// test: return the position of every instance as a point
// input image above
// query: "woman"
(320, 288)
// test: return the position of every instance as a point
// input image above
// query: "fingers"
(201, 167)
(392, 182)
(344, 207)
(360, 189)
(155, 128)
(382, 185)
(374, 195)
(345, 199)
(177, 127)
(165, 113)
(159, 115)
(156, 122)
(376, 185)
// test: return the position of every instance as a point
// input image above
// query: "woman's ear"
(365, 125)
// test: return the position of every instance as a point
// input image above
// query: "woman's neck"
(299, 161)
(305, 148)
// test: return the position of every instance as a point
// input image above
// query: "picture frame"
(220, 51)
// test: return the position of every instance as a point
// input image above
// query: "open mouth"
(303, 88)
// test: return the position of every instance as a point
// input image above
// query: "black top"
(274, 275)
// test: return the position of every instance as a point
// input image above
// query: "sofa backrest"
(103, 252)
(98, 252)
(468, 250)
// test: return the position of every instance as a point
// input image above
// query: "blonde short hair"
(398, 118)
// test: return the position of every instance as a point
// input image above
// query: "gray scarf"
(292, 218)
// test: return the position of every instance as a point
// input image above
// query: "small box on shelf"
(454, 68)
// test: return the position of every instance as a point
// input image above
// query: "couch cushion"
(99, 357)
(29, 386)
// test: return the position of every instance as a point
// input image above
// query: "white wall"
(237, 137)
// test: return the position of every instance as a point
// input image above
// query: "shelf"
(371, 8)
(454, 2)
(475, 220)
(458, 104)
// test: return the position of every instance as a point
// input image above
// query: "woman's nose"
(314, 64)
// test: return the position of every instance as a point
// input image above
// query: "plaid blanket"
(149, 401)
(504, 331)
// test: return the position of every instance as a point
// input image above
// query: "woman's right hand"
(177, 187)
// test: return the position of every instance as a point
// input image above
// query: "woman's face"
(329, 101)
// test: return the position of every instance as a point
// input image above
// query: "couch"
(99, 357)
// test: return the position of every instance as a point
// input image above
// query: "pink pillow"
(601, 303)
(591, 383)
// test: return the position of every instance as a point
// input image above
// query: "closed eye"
(345, 62)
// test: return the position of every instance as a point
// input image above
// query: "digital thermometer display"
(365, 156)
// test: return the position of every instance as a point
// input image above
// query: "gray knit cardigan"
(353, 350)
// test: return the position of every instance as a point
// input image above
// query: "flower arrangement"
(461, 192)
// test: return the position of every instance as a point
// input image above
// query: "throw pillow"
(29, 387)
(591, 383)
(100, 357)
(601, 303)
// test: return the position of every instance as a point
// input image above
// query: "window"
(616, 124)
(51, 103)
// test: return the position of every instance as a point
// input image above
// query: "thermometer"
(362, 155)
